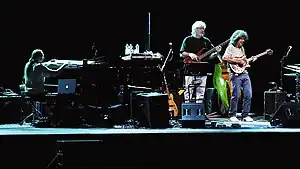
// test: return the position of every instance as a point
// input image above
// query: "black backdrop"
(67, 29)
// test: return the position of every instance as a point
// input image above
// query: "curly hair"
(237, 35)
(197, 24)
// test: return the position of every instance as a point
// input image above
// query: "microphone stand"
(281, 68)
(163, 66)
(167, 58)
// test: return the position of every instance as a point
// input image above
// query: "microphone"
(289, 49)
(170, 44)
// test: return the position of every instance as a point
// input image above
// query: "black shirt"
(193, 45)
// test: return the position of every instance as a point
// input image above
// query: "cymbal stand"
(297, 97)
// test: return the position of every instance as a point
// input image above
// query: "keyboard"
(72, 64)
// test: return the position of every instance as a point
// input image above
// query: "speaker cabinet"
(130, 97)
(193, 115)
(272, 101)
(287, 115)
(154, 110)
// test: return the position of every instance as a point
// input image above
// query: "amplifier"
(153, 110)
(10, 109)
(133, 104)
(272, 101)
(193, 115)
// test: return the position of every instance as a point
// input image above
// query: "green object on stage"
(221, 85)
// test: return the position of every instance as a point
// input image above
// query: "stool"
(34, 103)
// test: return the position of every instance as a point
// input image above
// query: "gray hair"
(196, 25)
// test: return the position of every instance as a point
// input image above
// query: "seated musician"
(35, 73)
(192, 45)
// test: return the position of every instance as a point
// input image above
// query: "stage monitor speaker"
(154, 110)
(272, 101)
(193, 115)
(287, 115)
(131, 96)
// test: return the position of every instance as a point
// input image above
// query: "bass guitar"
(201, 54)
(237, 68)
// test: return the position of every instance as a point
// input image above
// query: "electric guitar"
(201, 54)
(237, 68)
(172, 104)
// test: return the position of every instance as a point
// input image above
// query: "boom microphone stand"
(167, 58)
(161, 68)
(281, 66)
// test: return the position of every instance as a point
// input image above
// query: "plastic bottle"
(131, 48)
(137, 48)
(127, 50)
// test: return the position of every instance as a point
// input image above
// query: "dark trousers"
(238, 82)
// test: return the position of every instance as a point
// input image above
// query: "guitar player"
(235, 54)
(190, 47)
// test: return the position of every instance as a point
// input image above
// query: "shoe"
(234, 119)
(248, 119)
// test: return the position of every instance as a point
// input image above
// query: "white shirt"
(234, 52)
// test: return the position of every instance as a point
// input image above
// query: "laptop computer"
(66, 86)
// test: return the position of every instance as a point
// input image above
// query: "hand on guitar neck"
(238, 65)
(198, 58)
(192, 57)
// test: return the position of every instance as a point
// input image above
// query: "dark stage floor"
(252, 144)
(256, 126)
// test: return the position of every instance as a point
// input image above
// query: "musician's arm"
(184, 51)
(185, 54)
(234, 60)
(214, 54)
(185, 48)
(48, 72)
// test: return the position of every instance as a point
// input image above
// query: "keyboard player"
(36, 71)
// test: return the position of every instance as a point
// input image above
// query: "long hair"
(196, 25)
(37, 53)
(32, 60)
(237, 35)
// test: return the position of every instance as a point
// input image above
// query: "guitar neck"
(257, 56)
(166, 84)
(213, 49)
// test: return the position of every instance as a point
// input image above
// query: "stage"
(249, 144)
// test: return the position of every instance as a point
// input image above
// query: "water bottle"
(131, 48)
(127, 50)
(137, 48)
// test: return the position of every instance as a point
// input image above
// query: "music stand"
(196, 69)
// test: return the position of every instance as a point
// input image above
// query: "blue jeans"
(239, 82)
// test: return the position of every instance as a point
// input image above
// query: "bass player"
(191, 45)
(235, 54)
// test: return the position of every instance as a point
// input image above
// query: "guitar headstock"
(269, 51)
